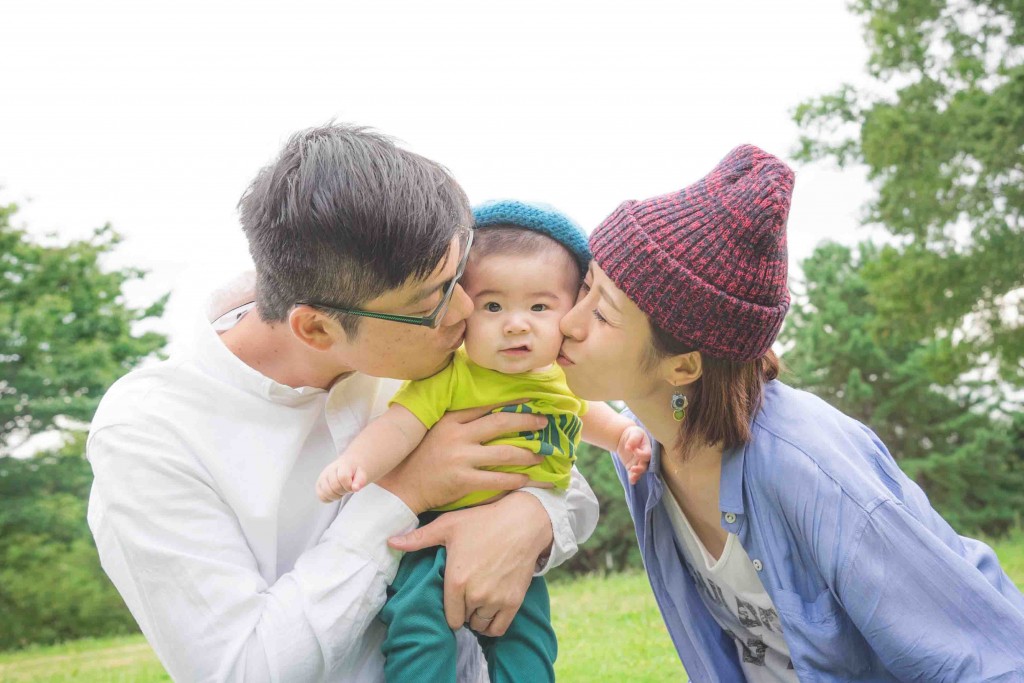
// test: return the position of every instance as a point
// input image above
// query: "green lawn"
(608, 628)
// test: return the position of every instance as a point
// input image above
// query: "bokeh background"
(129, 130)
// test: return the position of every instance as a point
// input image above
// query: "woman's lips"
(563, 359)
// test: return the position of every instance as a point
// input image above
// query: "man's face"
(384, 348)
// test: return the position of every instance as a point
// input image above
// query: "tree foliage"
(65, 328)
(613, 545)
(941, 131)
(971, 464)
(51, 585)
(65, 336)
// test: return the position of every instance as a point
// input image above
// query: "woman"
(780, 537)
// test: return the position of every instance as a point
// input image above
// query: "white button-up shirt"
(205, 517)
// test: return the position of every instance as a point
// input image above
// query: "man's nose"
(459, 308)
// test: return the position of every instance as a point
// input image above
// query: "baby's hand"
(339, 478)
(634, 451)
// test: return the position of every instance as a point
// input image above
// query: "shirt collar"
(217, 360)
(730, 486)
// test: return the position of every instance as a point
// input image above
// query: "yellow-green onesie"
(464, 384)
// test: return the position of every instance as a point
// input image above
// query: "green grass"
(598, 620)
(127, 659)
(609, 629)
(1011, 555)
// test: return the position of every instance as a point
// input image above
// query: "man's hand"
(447, 464)
(634, 450)
(492, 555)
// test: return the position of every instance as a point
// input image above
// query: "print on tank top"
(734, 595)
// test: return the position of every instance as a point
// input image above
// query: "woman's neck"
(656, 415)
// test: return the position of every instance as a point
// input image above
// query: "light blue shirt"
(870, 583)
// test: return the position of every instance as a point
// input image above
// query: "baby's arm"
(607, 429)
(374, 452)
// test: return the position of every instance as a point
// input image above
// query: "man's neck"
(272, 350)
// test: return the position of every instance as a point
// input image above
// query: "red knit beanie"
(708, 264)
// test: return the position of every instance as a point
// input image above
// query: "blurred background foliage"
(920, 337)
(66, 334)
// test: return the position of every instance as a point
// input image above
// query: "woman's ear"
(313, 328)
(684, 368)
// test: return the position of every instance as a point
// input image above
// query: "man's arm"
(176, 552)
(573, 515)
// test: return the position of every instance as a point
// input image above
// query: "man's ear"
(313, 328)
(683, 369)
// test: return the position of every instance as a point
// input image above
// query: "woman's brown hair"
(723, 401)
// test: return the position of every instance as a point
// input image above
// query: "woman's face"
(606, 342)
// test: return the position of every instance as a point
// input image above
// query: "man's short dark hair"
(343, 215)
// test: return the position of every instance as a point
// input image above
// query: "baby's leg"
(527, 651)
(419, 645)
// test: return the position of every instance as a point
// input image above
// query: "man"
(203, 505)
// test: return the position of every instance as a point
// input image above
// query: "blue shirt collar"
(730, 486)
(730, 494)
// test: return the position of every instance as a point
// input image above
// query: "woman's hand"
(447, 464)
(493, 552)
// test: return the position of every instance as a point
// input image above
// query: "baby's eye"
(539, 308)
(492, 306)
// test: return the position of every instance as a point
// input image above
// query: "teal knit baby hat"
(537, 217)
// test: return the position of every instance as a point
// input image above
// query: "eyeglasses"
(432, 320)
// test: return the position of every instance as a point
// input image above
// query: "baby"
(523, 274)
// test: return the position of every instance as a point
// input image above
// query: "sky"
(154, 116)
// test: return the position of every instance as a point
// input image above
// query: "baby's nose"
(515, 325)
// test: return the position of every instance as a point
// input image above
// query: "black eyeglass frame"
(431, 321)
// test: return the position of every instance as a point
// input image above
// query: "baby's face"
(517, 304)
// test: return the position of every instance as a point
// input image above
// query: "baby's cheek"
(477, 338)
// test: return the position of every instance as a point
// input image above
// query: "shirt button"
(757, 565)
(730, 518)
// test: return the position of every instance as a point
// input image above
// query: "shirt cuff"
(367, 520)
(564, 540)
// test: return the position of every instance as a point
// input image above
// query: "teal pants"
(420, 646)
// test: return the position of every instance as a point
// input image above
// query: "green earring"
(679, 403)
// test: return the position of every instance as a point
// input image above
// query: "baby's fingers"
(636, 471)
(358, 479)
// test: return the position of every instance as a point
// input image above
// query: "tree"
(65, 336)
(839, 353)
(613, 545)
(51, 585)
(941, 131)
(967, 461)
(65, 328)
